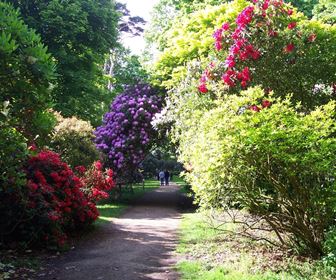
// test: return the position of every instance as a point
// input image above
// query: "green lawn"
(113, 208)
(210, 254)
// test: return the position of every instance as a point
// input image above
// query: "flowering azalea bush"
(269, 44)
(126, 134)
(51, 205)
(55, 198)
(96, 181)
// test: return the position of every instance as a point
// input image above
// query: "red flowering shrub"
(53, 203)
(96, 182)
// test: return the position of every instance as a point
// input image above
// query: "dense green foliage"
(26, 70)
(79, 34)
(277, 163)
(259, 149)
(13, 155)
(166, 13)
(73, 140)
(325, 11)
(304, 6)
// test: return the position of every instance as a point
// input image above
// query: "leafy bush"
(262, 154)
(73, 138)
(26, 70)
(56, 202)
(329, 260)
(13, 154)
(127, 135)
(190, 38)
(325, 11)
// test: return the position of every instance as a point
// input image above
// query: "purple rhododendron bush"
(126, 135)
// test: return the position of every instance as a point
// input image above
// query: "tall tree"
(166, 12)
(26, 70)
(79, 34)
(123, 68)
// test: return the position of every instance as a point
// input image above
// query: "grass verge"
(184, 186)
(211, 254)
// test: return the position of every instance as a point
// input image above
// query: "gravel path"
(138, 245)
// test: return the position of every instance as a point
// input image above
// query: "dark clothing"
(166, 177)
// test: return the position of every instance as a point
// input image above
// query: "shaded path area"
(138, 245)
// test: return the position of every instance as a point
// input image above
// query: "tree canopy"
(79, 35)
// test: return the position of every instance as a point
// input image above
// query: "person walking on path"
(162, 177)
(166, 177)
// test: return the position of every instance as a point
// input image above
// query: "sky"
(143, 9)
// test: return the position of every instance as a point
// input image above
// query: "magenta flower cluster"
(127, 134)
(241, 40)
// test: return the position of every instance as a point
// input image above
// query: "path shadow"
(138, 245)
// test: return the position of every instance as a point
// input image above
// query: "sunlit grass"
(210, 254)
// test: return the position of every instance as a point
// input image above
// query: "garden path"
(139, 244)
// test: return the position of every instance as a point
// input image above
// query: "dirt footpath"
(138, 245)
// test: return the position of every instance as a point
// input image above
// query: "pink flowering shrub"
(270, 45)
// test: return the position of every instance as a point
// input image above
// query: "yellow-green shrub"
(73, 138)
(276, 162)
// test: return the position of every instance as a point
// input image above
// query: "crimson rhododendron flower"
(229, 78)
(226, 26)
(203, 88)
(254, 108)
(262, 18)
(97, 182)
(292, 25)
(266, 103)
(312, 37)
(80, 169)
(289, 48)
(58, 204)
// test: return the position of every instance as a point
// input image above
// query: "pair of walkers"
(164, 177)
